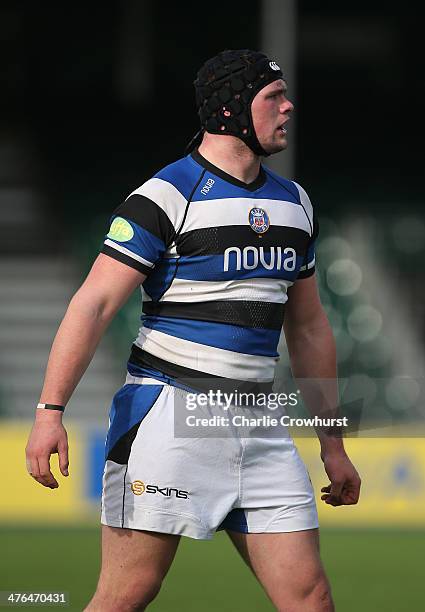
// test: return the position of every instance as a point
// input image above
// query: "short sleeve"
(139, 233)
(309, 264)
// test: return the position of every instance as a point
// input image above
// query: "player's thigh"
(283, 561)
(130, 555)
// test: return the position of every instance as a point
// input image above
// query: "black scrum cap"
(225, 87)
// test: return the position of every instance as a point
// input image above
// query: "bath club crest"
(259, 220)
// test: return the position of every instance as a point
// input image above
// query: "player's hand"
(48, 436)
(345, 481)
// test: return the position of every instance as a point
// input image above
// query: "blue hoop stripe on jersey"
(156, 284)
(210, 268)
(247, 340)
(129, 407)
(279, 182)
(182, 175)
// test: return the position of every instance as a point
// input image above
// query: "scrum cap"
(225, 88)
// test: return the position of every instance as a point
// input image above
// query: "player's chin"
(276, 147)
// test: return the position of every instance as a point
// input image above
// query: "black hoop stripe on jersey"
(149, 215)
(262, 315)
(215, 240)
(196, 378)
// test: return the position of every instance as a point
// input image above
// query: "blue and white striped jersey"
(219, 256)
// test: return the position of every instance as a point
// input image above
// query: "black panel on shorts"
(120, 453)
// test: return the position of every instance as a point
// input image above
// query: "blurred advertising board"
(392, 471)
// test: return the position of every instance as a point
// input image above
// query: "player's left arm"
(312, 352)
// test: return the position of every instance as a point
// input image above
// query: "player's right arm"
(106, 288)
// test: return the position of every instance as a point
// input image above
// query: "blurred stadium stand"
(34, 293)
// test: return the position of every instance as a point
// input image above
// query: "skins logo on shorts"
(121, 230)
(138, 487)
(259, 220)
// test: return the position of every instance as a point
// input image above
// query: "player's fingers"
(46, 477)
(325, 489)
(36, 472)
(333, 501)
(32, 466)
(63, 457)
(336, 489)
(29, 466)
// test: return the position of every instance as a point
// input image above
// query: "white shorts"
(194, 486)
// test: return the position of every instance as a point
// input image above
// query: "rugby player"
(223, 250)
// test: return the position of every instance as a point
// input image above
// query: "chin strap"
(195, 142)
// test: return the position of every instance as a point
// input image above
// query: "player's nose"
(287, 107)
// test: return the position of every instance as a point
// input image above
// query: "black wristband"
(51, 407)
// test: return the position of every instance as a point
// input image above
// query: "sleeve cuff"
(126, 259)
(307, 273)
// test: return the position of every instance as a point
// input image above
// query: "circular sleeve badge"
(121, 230)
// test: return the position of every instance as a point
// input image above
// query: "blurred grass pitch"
(368, 569)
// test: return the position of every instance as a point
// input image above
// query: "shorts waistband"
(142, 380)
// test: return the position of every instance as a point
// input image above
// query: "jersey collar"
(259, 181)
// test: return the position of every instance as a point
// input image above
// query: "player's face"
(270, 111)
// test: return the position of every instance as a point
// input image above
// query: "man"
(220, 246)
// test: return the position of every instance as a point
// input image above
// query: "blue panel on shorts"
(129, 406)
(235, 521)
